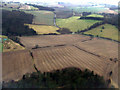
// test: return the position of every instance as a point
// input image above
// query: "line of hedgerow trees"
(66, 78)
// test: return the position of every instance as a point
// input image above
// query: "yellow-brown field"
(43, 29)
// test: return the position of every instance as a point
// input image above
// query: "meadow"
(109, 31)
(43, 29)
(75, 24)
(42, 17)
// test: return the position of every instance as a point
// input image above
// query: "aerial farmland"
(59, 46)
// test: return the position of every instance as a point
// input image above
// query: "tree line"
(13, 24)
(66, 78)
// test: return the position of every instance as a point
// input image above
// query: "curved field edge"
(43, 29)
(75, 24)
(109, 31)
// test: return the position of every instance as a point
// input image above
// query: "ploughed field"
(55, 52)
(97, 46)
(51, 40)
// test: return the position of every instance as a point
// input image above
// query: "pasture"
(109, 31)
(42, 17)
(75, 24)
(43, 29)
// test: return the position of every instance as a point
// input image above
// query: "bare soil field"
(104, 48)
(15, 64)
(61, 51)
(51, 40)
(48, 59)
(101, 47)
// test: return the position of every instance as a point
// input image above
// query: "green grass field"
(88, 9)
(43, 29)
(42, 17)
(95, 15)
(109, 31)
(75, 24)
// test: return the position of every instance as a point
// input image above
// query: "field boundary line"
(31, 54)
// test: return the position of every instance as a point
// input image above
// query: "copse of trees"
(42, 7)
(86, 13)
(64, 31)
(66, 78)
(13, 23)
(112, 19)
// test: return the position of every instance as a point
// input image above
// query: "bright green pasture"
(75, 24)
(109, 31)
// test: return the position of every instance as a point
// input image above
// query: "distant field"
(75, 24)
(42, 17)
(33, 8)
(95, 15)
(109, 31)
(8, 45)
(63, 12)
(88, 9)
(43, 29)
